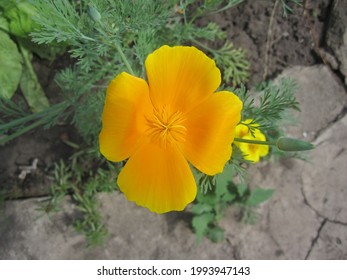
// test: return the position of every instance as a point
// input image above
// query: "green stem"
(30, 85)
(226, 7)
(22, 131)
(119, 50)
(44, 118)
(123, 57)
(184, 13)
(268, 143)
(202, 45)
(59, 106)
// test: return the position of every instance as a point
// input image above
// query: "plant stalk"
(256, 142)
(123, 57)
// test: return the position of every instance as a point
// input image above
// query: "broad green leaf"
(31, 87)
(216, 234)
(200, 224)
(229, 197)
(19, 15)
(17, 19)
(221, 188)
(241, 189)
(5, 4)
(223, 180)
(3, 23)
(208, 198)
(201, 208)
(10, 66)
(258, 196)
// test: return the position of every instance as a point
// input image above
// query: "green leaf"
(258, 196)
(5, 4)
(234, 62)
(241, 189)
(10, 66)
(216, 234)
(31, 87)
(201, 208)
(208, 198)
(17, 19)
(223, 180)
(200, 224)
(19, 15)
(3, 23)
(228, 197)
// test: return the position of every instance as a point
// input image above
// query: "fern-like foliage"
(106, 37)
(268, 104)
(234, 64)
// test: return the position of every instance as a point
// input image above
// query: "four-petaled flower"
(162, 125)
(251, 152)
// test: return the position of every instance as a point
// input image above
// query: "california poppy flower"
(166, 123)
(250, 151)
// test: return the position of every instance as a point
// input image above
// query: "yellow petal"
(263, 150)
(250, 151)
(253, 152)
(249, 121)
(242, 129)
(210, 132)
(123, 122)
(158, 177)
(180, 77)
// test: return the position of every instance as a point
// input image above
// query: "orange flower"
(163, 124)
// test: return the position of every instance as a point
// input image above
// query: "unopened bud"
(293, 145)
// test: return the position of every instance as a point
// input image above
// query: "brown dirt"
(292, 38)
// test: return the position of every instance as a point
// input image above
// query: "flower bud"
(292, 145)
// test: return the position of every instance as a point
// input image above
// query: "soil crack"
(317, 212)
(319, 132)
(315, 239)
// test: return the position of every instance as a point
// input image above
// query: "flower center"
(166, 126)
(253, 148)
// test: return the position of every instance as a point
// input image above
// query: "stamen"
(166, 127)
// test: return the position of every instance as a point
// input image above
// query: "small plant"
(82, 179)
